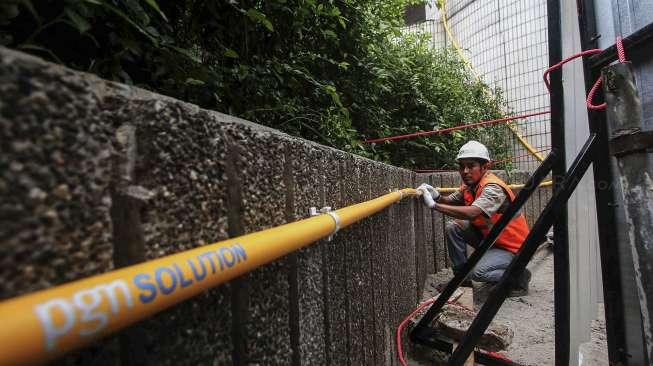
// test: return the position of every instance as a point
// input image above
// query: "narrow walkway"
(532, 317)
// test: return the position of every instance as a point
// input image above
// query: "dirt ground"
(530, 316)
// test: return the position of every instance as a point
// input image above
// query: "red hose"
(402, 325)
(590, 96)
(620, 49)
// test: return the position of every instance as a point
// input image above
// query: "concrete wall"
(96, 175)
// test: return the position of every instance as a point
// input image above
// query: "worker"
(476, 206)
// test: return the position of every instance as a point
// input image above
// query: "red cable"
(460, 127)
(590, 96)
(492, 162)
(620, 49)
(559, 64)
(621, 54)
(498, 355)
(402, 325)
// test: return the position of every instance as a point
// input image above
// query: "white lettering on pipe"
(87, 302)
(53, 331)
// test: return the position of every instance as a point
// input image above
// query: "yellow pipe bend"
(525, 143)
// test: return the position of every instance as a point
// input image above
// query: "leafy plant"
(336, 72)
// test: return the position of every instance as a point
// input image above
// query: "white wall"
(585, 287)
(506, 40)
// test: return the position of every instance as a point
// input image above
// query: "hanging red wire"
(493, 162)
(559, 64)
(450, 129)
(621, 54)
(622, 58)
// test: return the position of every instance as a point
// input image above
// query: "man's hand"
(426, 196)
(435, 194)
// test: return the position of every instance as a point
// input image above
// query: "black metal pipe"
(529, 187)
(560, 232)
(501, 290)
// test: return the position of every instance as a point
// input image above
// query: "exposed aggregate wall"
(96, 175)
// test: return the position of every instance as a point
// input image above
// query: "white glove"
(435, 194)
(426, 196)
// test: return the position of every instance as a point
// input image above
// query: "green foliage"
(336, 72)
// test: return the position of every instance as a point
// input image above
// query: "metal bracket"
(313, 211)
(630, 142)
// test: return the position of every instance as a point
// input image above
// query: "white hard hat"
(473, 150)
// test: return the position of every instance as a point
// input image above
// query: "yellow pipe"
(44, 325)
(453, 40)
(512, 186)
(456, 46)
(525, 143)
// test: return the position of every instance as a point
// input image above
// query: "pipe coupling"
(328, 211)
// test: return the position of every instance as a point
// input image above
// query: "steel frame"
(596, 150)
(423, 334)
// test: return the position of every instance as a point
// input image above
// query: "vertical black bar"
(616, 320)
(560, 249)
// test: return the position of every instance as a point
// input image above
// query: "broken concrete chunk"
(454, 320)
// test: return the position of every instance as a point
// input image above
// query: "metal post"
(632, 146)
(561, 247)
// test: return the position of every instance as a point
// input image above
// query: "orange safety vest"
(514, 234)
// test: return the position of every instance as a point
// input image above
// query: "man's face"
(471, 171)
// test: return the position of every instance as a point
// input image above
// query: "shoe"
(521, 288)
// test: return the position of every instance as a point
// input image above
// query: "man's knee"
(451, 227)
(479, 275)
(456, 225)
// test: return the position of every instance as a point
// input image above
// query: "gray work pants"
(491, 266)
